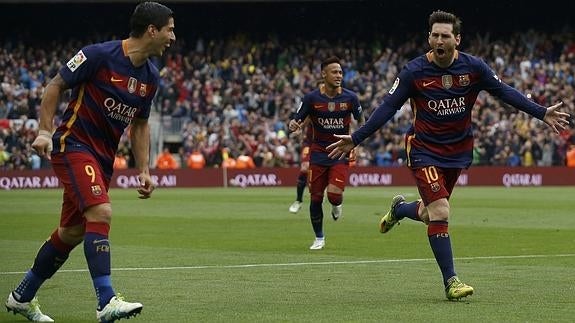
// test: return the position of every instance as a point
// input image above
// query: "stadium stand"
(233, 94)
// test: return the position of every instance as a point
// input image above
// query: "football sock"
(50, 257)
(316, 215)
(97, 252)
(407, 210)
(301, 183)
(441, 246)
(28, 287)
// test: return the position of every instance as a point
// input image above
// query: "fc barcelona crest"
(435, 187)
(132, 84)
(96, 190)
(447, 81)
(464, 80)
(331, 106)
(343, 106)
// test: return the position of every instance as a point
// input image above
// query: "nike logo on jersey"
(98, 241)
(425, 84)
(339, 180)
(113, 79)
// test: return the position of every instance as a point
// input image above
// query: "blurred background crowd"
(225, 98)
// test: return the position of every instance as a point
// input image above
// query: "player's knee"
(334, 198)
(99, 213)
(438, 210)
(71, 235)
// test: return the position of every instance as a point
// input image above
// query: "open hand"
(341, 148)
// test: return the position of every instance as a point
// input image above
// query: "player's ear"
(152, 30)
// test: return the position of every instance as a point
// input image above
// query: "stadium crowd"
(234, 96)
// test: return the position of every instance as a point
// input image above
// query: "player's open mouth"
(440, 51)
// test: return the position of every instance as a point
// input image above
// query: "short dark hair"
(443, 17)
(329, 60)
(149, 13)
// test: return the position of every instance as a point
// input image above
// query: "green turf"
(238, 255)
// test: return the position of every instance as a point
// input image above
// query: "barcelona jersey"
(441, 99)
(329, 116)
(107, 93)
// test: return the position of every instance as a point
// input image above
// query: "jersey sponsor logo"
(447, 81)
(76, 61)
(394, 86)
(331, 123)
(426, 84)
(119, 111)
(464, 80)
(448, 106)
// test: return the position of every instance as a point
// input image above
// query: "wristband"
(44, 133)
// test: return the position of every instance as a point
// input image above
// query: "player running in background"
(442, 86)
(113, 84)
(305, 134)
(330, 109)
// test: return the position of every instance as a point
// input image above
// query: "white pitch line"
(303, 264)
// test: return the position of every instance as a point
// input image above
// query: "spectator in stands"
(196, 160)
(166, 160)
(120, 161)
(571, 156)
(4, 157)
(229, 162)
(245, 161)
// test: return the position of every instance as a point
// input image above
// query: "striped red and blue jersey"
(308, 135)
(329, 117)
(441, 99)
(107, 93)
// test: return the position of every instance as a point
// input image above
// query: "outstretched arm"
(556, 119)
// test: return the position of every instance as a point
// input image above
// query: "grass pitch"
(238, 255)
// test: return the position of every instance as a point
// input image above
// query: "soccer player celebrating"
(113, 84)
(442, 86)
(330, 109)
